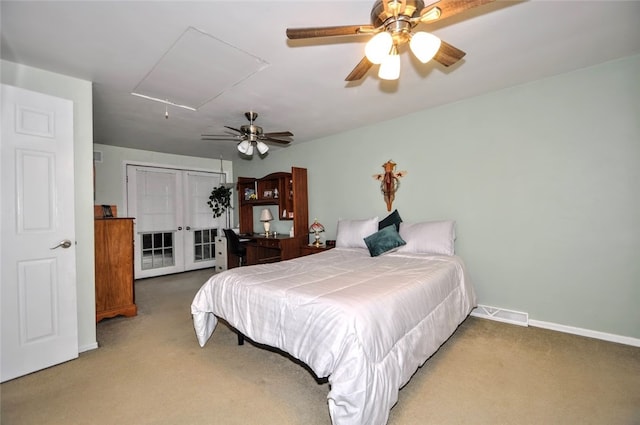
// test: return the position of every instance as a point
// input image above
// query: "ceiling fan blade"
(279, 134)
(272, 140)
(313, 32)
(450, 8)
(360, 70)
(448, 55)
(220, 137)
(234, 129)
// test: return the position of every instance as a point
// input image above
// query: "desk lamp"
(266, 217)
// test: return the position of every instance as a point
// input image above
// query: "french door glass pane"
(157, 250)
(203, 244)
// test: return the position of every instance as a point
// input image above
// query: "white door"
(174, 227)
(39, 307)
(200, 226)
(152, 199)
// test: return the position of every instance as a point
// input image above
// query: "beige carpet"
(150, 370)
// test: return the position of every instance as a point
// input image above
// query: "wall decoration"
(389, 182)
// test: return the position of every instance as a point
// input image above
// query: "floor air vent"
(501, 315)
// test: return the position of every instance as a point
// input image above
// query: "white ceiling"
(233, 56)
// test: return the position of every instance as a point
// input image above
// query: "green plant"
(220, 200)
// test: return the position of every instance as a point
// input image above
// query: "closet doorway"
(174, 227)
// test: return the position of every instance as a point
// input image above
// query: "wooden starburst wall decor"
(389, 182)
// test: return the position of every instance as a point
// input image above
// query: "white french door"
(38, 279)
(174, 227)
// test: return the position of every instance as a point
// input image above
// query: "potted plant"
(220, 200)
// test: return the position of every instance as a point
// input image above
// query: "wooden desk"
(262, 249)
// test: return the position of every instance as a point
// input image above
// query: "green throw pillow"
(393, 218)
(383, 240)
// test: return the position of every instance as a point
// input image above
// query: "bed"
(364, 322)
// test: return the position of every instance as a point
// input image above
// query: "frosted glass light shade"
(390, 67)
(424, 46)
(244, 146)
(262, 148)
(378, 47)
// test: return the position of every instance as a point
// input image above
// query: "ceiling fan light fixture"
(262, 147)
(424, 46)
(378, 47)
(390, 66)
(243, 147)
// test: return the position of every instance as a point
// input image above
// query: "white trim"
(166, 102)
(586, 332)
(522, 319)
(87, 347)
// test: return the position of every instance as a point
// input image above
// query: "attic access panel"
(197, 68)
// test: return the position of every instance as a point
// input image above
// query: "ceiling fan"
(392, 25)
(251, 135)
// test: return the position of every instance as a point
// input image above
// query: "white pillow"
(351, 233)
(429, 237)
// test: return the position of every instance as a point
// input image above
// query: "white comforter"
(365, 323)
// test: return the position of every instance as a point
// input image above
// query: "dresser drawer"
(221, 253)
(268, 243)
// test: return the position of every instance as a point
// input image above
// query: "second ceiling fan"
(250, 135)
(392, 25)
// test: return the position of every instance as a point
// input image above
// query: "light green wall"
(110, 173)
(543, 180)
(79, 91)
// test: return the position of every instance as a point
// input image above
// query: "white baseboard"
(627, 340)
(522, 319)
(87, 347)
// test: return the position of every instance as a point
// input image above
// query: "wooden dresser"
(114, 268)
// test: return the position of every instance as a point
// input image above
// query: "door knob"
(188, 227)
(63, 244)
(179, 227)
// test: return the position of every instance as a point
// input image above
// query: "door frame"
(134, 163)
